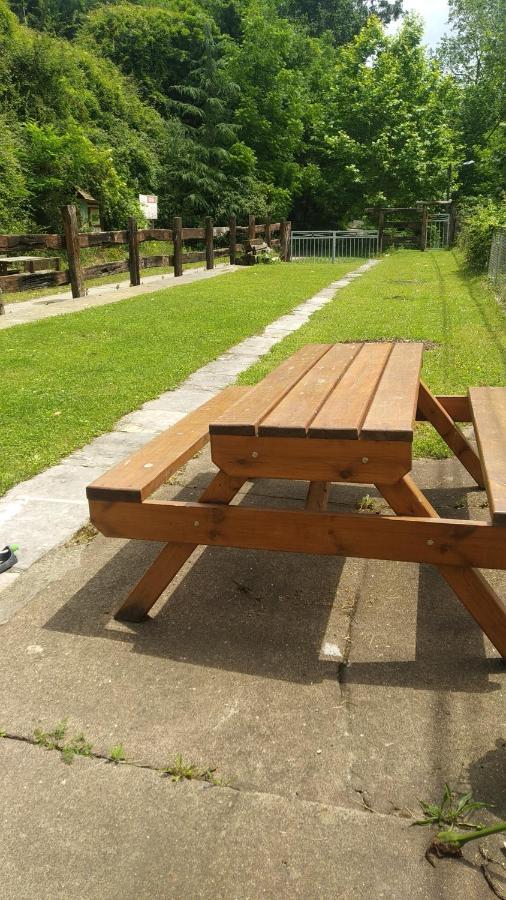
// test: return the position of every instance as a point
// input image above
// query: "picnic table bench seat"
(135, 478)
(488, 407)
(331, 413)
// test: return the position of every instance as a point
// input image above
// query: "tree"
(474, 54)
(385, 134)
(342, 19)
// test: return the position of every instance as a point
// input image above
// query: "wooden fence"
(407, 226)
(73, 241)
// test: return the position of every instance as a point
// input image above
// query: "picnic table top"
(355, 391)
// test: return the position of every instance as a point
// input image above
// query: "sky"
(435, 14)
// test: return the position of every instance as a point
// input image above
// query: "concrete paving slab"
(334, 693)
(122, 832)
(108, 449)
(148, 420)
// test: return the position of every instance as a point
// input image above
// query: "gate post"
(381, 228)
(423, 233)
(333, 246)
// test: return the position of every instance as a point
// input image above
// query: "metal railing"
(332, 245)
(497, 261)
(438, 231)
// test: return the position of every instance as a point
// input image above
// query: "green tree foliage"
(475, 55)
(341, 19)
(385, 134)
(281, 107)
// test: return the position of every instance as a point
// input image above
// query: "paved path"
(326, 753)
(59, 304)
(40, 513)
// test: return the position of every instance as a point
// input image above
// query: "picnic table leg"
(317, 495)
(436, 414)
(473, 591)
(146, 592)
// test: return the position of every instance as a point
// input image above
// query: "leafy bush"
(479, 221)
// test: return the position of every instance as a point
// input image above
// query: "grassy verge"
(67, 379)
(414, 296)
(94, 256)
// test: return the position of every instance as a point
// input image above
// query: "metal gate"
(438, 231)
(332, 245)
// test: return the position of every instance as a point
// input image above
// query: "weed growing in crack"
(116, 754)
(180, 770)
(366, 503)
(78, 745)
(454, 812)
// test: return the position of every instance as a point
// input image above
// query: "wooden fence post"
(423, 233)
(233, 239)
(133, 252)
(209, 243)
(73, 250)
(251, 228)
(268, 231)
(177, 240)
(381, 229)
(284, 240)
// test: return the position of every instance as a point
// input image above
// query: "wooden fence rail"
(73, 242)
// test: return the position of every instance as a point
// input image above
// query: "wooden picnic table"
(331, 413)
(13, 264)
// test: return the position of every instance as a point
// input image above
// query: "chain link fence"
(497, 262)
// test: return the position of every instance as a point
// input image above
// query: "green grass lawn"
(415, 296)
(67, 379)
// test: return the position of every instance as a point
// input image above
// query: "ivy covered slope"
(219, 107)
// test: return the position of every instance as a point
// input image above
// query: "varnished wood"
(457, 406)
(293, 415)
(392, 412)
(438, 541)
(136, 477)
(317, 496)
(488, 406)
(345, 409)
(363, 462)
(478, 597)
(445, 426)
(173, 556)
(245, 416)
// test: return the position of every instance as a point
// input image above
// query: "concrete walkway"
(327, 694)
(41, 513)
(101, 295)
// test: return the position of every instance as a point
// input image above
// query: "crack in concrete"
(364, 809)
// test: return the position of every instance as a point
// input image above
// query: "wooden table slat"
(293, 415)
(344, 410)
(244, 416)
(392, 413)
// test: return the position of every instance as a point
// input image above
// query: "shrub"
(479, 222)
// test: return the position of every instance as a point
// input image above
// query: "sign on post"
(149, 206)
